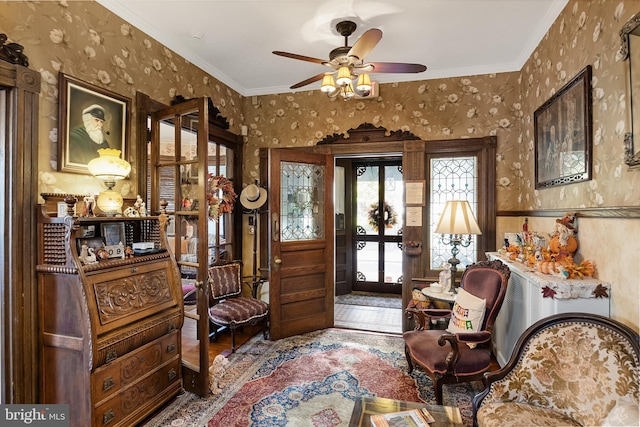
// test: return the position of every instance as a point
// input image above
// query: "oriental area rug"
(310, 380)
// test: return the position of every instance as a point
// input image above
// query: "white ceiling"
(233, 39)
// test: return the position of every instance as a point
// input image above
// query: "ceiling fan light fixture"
(328, 84)
(364, 83)
(344, 76)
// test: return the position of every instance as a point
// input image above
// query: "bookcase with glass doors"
(193, 167)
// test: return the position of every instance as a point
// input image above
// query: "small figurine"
(419, 300)
(216, 372)
(89, 202)
(128, 252)
(140, 206)
(87, 255)
(102, 253)
(131, 212)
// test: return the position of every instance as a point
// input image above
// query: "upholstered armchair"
(228, 308)
(570, 369)
(463, 352)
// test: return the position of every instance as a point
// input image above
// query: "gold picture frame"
(85, 112)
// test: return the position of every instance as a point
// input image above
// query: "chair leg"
(409, 362)
(233, 340)
(437, 385)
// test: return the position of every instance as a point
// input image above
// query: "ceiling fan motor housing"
(346, 28)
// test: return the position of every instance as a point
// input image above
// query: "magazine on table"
(410, 418)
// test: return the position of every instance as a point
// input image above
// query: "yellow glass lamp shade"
(328, 84)
(109, 167)
(344, 76)
(347, 91)
(364, 83)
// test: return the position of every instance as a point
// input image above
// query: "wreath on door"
(220, 203)
(389, 216)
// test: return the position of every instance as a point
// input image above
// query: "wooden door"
(300, 236)
(179, 140)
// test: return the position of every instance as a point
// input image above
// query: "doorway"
(369, 220)
(377, 226)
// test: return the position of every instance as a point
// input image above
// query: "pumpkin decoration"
(562, 240)
(549, 267)
(569, 248)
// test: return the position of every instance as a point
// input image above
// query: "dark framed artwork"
(563, 132)
(90, 118)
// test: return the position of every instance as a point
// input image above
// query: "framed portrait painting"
(563, 132)
(90, 118)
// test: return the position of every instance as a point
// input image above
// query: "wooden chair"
(229, 309)
(570, 369)
(447, 357)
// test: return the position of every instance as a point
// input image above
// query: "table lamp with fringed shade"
(459, 223)
(109, 167)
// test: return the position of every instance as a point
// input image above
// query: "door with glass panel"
(377, 231)
(185, 160)
(300, 241)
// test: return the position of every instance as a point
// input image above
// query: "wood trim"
(18, 289)
(605, 212)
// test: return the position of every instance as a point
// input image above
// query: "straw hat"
(252, 196)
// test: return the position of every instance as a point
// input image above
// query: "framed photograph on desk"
(113, 233)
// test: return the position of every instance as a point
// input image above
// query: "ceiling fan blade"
(396, 67)
(300, 57)
(308, 81)
(365, 43)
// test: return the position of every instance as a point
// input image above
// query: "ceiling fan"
(348, 63)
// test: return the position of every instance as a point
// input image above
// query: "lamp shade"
(364, 83)
(344, 76)
(328, 84)
(457, 218)
(347, 91)
(109, 166)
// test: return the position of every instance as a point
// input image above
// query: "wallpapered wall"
(84, 40)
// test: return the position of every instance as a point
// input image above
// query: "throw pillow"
(467, 314)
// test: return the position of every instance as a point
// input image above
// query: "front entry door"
(377, 240)
(300, 236)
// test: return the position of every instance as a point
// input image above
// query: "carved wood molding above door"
(367, 132)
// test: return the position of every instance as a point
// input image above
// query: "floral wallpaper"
(83, 39)
(464, 107)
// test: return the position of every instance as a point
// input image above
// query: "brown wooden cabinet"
(110, 330)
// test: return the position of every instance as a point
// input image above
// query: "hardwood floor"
(222, 345)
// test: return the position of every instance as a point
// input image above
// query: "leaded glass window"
(302, 201)
(452, 178)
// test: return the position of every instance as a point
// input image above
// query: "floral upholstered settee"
(571, 369)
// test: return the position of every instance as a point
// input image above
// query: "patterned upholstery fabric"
(569, 372)
(238, 311)
(225, 281)
(189, 295)
(228, 308)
